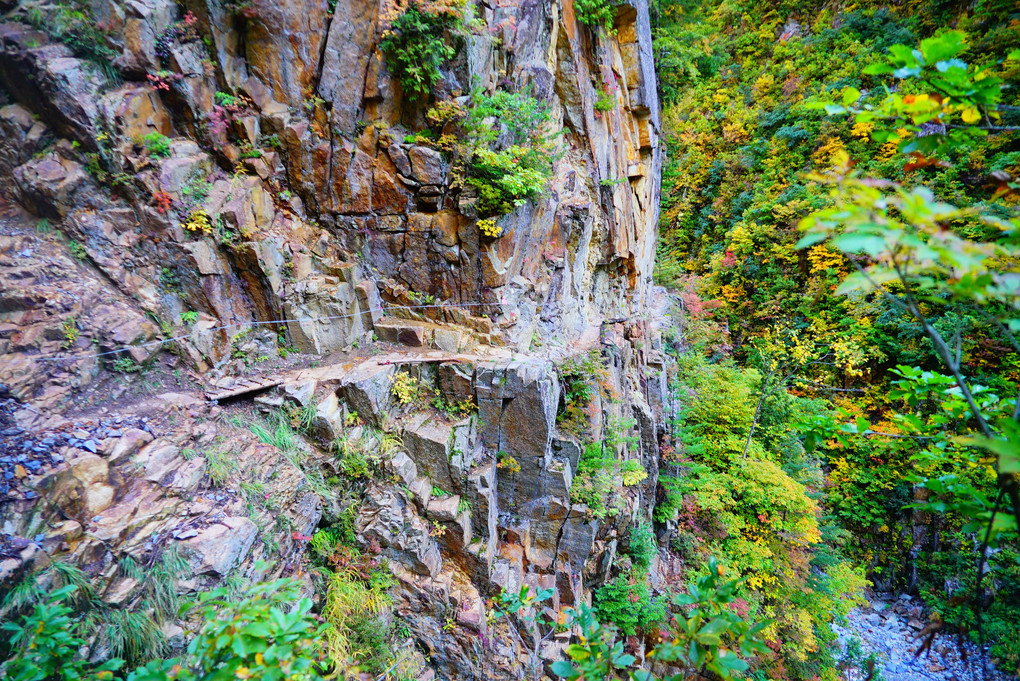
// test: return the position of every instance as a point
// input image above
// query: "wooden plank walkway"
(231, 387)
(242, 386)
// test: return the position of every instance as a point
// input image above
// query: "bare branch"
(831, 388)
(869, 433)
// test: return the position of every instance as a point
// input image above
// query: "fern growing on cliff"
(596, 13)
(415, 50)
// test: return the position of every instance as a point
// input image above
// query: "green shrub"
(606, 100)
(596, 13)
(504, 177)
(126, 365)
(44, 644)
(523, 116)
(594, 490)
(627, 602)
(642, 545)
(407, 389)
(225, 99)
(157, 144)
(324, 542)
(195, 189)
(356, 636)
(416, 48)
(596, 458)
(71, 24)
(352, 460)
(580, 377)
(707, 633)
(632, 472)
(593, 483)
(507, 178)
(267, 632)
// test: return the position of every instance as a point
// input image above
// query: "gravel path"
(890, 626)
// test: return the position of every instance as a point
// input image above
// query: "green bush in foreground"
(257, 636)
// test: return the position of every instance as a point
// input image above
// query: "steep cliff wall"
(294, 206)
(327, 184)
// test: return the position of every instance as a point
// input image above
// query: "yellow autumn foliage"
(822, 259)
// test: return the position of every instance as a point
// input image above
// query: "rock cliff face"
(292, 207)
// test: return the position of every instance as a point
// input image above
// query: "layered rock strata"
(289, 212)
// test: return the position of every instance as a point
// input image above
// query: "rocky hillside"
(255, 280)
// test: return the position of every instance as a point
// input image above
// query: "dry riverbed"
(894, 628)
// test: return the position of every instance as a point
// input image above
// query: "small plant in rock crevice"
(220, 466)
(581, 378)
(157, 144)
(196, 188)
(169, 280)
(453, 407)
(183, 31)
(71, 23)
(162, 200)
(77, 250)
(508, 463)
(488, 227)
(126, 365)
(595, 483)
(632, 472)
(406, 389)
(70, 326)
(163, 80)
(352, 460)
(244, 9)
(606, 100)
(199, 222)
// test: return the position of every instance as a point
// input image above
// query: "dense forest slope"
(749, 144)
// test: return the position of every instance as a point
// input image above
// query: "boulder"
(426, 165)
(130, 442)
(444, 509)
(220, 547)
(328, 422)
(405, 333)
(160, 462)
(402, 534)
(300, 392)
(403, 467)
(82, 489)
(366, 389)
(427, 442)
